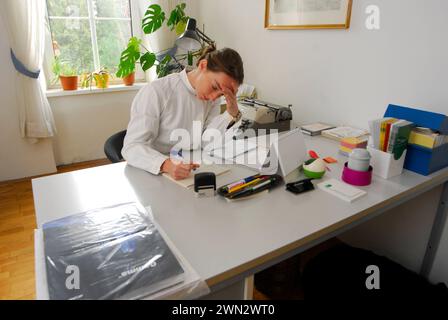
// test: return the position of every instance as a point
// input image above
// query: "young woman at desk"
(174, 102)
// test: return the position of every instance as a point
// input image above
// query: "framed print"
(308, 14)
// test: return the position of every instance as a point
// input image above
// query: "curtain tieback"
(22, 69)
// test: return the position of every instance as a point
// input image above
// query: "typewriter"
(261, 117)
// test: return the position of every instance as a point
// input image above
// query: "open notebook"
(189, 182)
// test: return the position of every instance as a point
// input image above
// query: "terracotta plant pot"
(129, 79)
(69, 82)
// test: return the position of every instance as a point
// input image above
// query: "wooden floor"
(17, 224)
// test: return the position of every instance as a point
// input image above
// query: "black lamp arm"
(204, 37)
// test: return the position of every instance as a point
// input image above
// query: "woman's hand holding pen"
(177, 169)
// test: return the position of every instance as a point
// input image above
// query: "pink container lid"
(357, 178)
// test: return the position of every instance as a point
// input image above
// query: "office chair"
(113, 146)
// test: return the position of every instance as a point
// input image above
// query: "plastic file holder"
(419, 159)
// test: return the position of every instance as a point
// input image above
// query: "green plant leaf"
(129, 57)
(180, 27)
(147, 60)
(162, 67)
(153, 19)
(176, 16)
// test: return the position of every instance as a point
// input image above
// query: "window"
(90, 34)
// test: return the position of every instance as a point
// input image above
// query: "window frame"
(49, 55)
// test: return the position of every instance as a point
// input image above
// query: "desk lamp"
(191, 39)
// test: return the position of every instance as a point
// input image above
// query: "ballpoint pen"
(241, 182)
(248, 191)
(245, 185)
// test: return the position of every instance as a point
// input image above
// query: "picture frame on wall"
(308, 14)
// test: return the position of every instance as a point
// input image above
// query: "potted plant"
(136, 52)
(129, 80)
(66, 74)
(101, 79)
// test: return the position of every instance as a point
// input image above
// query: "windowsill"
(93, 90)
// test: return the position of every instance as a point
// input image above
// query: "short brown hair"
(224, 60)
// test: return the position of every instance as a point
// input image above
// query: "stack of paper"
(344, 132)
(233, 148)
(341, 190)
(427, 138)
(189, 182)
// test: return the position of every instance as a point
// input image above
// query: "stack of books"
(427, 138)
(343, 132)
(315, 129)
(390, 135)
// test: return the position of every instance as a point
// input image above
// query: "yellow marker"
(245, 185)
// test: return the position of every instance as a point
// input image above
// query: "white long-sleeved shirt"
(160, 107)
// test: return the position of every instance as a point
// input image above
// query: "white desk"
(227, 241)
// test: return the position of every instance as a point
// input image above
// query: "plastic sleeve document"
(109, 253)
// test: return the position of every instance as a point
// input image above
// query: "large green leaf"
(176, 16)
(147, 60)
(181, 26)
(153, 19)
(129, 57)
(162, 67)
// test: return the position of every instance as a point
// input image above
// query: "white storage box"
(384, 164)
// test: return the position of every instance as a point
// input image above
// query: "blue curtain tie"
(22, 69)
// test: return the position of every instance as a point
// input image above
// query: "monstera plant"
(137, 53)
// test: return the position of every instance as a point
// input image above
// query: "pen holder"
(357, 178)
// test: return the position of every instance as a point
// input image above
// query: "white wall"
(349, 77)
(341, 76)
(18, 158)
(84, 122)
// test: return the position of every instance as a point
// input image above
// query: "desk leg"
(436, 233)
(240, 290)
(249, 288)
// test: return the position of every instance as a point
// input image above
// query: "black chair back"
(113, 146)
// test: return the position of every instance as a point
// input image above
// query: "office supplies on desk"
(390, 135)
(427, 138)
(267, 183)
(189, 182)
(205, 184)
(248, 184)
(290, 151)
(118, 252)
(300, 186)
(330, 160)
(314, 168)
(348, 144)
(359, 160)
(254, 186)
(419, 159)
(241, 182)
(339, 133)
(262, 115)
(313, 154)
(355, 177)
(341, 190)
(315, 129)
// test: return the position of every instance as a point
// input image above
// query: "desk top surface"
(221, 239)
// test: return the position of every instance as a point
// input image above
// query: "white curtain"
(25, 23)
